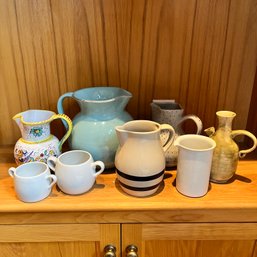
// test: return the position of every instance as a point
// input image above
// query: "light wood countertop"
(232, 202)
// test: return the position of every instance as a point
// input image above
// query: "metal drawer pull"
(131, 251)
(110, 251)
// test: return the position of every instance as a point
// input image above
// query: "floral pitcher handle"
(243, 153)
(69, 127)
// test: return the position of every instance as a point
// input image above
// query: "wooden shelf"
(235, 201)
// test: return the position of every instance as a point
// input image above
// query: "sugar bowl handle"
(197, 121)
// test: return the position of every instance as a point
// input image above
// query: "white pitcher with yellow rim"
(37, 143)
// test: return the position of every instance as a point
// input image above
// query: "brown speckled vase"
(226, 153)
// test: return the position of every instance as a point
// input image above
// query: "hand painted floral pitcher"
(36, 143)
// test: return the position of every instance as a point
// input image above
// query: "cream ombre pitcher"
(140, 159)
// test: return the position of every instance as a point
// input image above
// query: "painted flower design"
(23, 156)
(36, 132)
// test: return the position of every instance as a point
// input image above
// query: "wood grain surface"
(199, 248)
(235, 201)
(201, 53)
(54, 240)
(167, 243)
(48, 233)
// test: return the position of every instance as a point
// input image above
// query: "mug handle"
(11, 171)
(243, 153)
(101, 165)
(69, 128)
(60, 106)
(51, 162)
(197, 121)
(171, 137)
(54, 180)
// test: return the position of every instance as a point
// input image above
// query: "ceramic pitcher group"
(140, 150)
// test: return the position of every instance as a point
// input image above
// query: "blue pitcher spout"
(103, 103)
(123, 100)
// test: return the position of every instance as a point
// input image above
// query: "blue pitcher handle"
(60, 106)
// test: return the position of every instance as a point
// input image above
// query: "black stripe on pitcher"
(139, 188)
(138, 178)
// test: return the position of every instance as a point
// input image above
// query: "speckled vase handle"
(243, 153)
(197, 121)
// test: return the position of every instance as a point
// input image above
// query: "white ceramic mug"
(194, 164)
(32, 181)
(75, 171)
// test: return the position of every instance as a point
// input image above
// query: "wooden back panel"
(201, 53)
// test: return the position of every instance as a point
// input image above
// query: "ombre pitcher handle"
(60, 106)
(171, 136)
(243, 153)
(69, 127)
(197, 121)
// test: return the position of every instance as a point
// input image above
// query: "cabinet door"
(191, 240)
(66, 240)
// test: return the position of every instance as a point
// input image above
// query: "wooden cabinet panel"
(202, 231)
(48, 233)
(199, 248)
(191, 240)
(67, 240)
(57, 249)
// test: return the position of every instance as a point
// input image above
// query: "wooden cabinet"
(221, 224)
(152, 240)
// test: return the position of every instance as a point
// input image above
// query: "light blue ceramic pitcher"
(102, 109)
